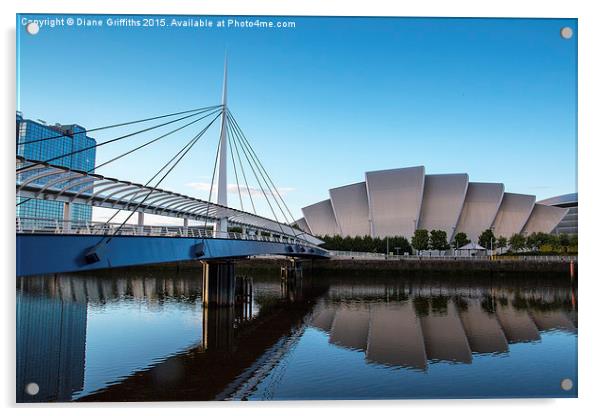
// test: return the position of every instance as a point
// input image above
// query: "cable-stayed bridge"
(210, 231)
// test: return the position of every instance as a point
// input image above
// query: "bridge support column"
(186, 227)
(67, 217)
(218, 283)
(291, 283)
(141, 222)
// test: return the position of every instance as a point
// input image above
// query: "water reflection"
(51, 339)
(410, 326)
(146, 337)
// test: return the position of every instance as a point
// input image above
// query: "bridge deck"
(39, 253)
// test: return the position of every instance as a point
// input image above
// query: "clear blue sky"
(327, 100)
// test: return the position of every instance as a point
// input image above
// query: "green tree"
(347, 244)
(420, 240)
(553, 241)
(438, 240)
(487, 239)
(502, 242)
(460, 240)
(517, 242)
(531, 242)
(365, 244)
(564, 240)
(400, 242)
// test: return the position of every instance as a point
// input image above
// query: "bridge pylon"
(221, 225)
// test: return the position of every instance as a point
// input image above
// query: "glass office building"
(70, 138)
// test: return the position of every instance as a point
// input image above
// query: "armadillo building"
(569, 223)
(397, 202)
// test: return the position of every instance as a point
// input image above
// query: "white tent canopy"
(472, 246)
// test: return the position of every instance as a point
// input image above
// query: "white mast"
(221, 226)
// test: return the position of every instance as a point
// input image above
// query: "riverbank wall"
(431, 267)
(452, 266)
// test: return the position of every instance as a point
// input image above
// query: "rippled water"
(145, 335)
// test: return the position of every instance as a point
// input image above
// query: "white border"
(590, 136)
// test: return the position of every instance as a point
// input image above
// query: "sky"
(321, 102)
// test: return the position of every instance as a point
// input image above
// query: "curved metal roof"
(55, 183)
(561, 199)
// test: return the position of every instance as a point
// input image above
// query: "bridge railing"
(357, 255)
(25, 225)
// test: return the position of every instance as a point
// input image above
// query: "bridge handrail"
(358, 255)
(31, 225)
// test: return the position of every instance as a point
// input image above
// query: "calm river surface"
(145, 335)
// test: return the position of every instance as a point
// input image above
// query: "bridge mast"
(221, 225)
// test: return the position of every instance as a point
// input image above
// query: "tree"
(553, 241)
(487, 239)
(573, 242)
(460, 240)
(399, 242)
(420, 240)
(348, 244)
(517, 242)
(502, 242)
(564, 240)
(531, 242)
(438, 240)
(365, 244)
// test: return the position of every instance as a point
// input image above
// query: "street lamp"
(387, 253)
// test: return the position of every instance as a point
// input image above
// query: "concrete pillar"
(218, 283)
(292, 281)
(244, 232)
(186, 227)
(141, 222)
(67, 217)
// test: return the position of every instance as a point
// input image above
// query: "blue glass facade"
(74, 139)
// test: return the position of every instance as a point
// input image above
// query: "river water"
(144, 335)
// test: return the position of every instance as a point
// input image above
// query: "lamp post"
(453, 232)
(387, 253)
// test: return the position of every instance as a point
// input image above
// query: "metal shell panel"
(320, 218)
(544, 218)
(442, 202)
(394, 200)
(350, 205)
(302, 224)
(481, 205)
(513, 214)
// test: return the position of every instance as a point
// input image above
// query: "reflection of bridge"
(52, 246)
(52, 316)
